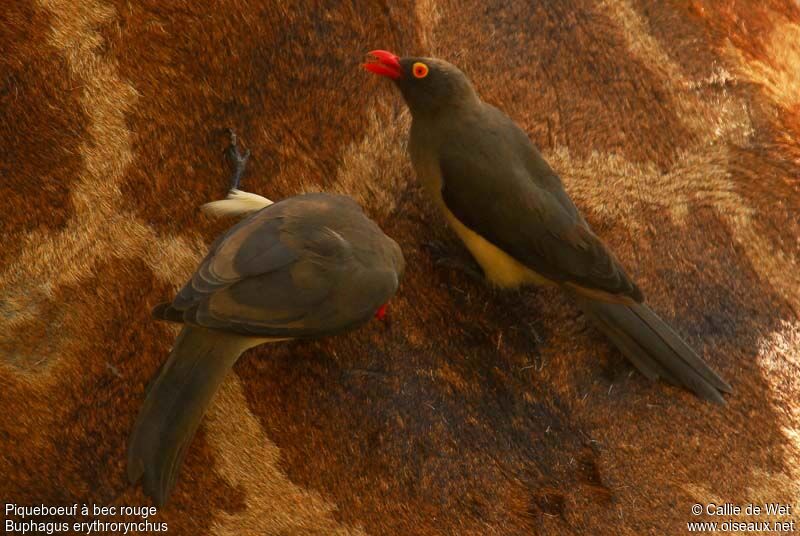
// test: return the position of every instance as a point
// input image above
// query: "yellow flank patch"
(500, 268)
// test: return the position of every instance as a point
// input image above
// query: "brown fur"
(674, 126)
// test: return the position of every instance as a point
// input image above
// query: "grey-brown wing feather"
(286, 272)
(522, 209)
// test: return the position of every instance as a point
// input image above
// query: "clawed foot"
(237, 202)
(238, 158)
(443, 257)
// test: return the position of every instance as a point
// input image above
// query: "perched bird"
(308, 266)
(511, 211)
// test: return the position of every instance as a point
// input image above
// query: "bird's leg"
(443, 257)
(238, 158)
(237, 202)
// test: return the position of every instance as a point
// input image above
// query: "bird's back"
(309, 265)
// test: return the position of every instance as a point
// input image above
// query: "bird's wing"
(502, 203)
(285, 272)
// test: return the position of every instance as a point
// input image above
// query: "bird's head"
(428, 85)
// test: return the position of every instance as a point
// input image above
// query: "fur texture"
(474, 412)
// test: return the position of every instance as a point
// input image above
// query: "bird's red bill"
(380, 314)
(383, 63)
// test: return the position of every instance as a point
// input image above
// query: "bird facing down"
(511, 211)
(308, 266)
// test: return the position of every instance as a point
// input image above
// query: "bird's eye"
(420, 70)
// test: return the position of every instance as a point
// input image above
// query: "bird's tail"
(175, 403)
(654, 348)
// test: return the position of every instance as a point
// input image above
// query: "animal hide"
(675, 126)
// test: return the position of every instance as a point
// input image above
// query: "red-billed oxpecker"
(308, 266)
(511, 211)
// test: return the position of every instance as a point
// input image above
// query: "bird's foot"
(238, 158)
(444, 258)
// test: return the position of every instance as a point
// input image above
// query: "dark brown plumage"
(510, 209)
(307, 266)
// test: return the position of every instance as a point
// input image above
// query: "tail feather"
(175, 404)
(633, 350)
(679, 347)
(654, 348)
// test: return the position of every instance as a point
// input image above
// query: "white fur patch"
(238, 203)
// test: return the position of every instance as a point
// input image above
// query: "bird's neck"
(456, 107)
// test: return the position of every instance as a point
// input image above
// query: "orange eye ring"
(419, 70)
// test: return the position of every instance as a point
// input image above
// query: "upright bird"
(308, 266)
(511, 211)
